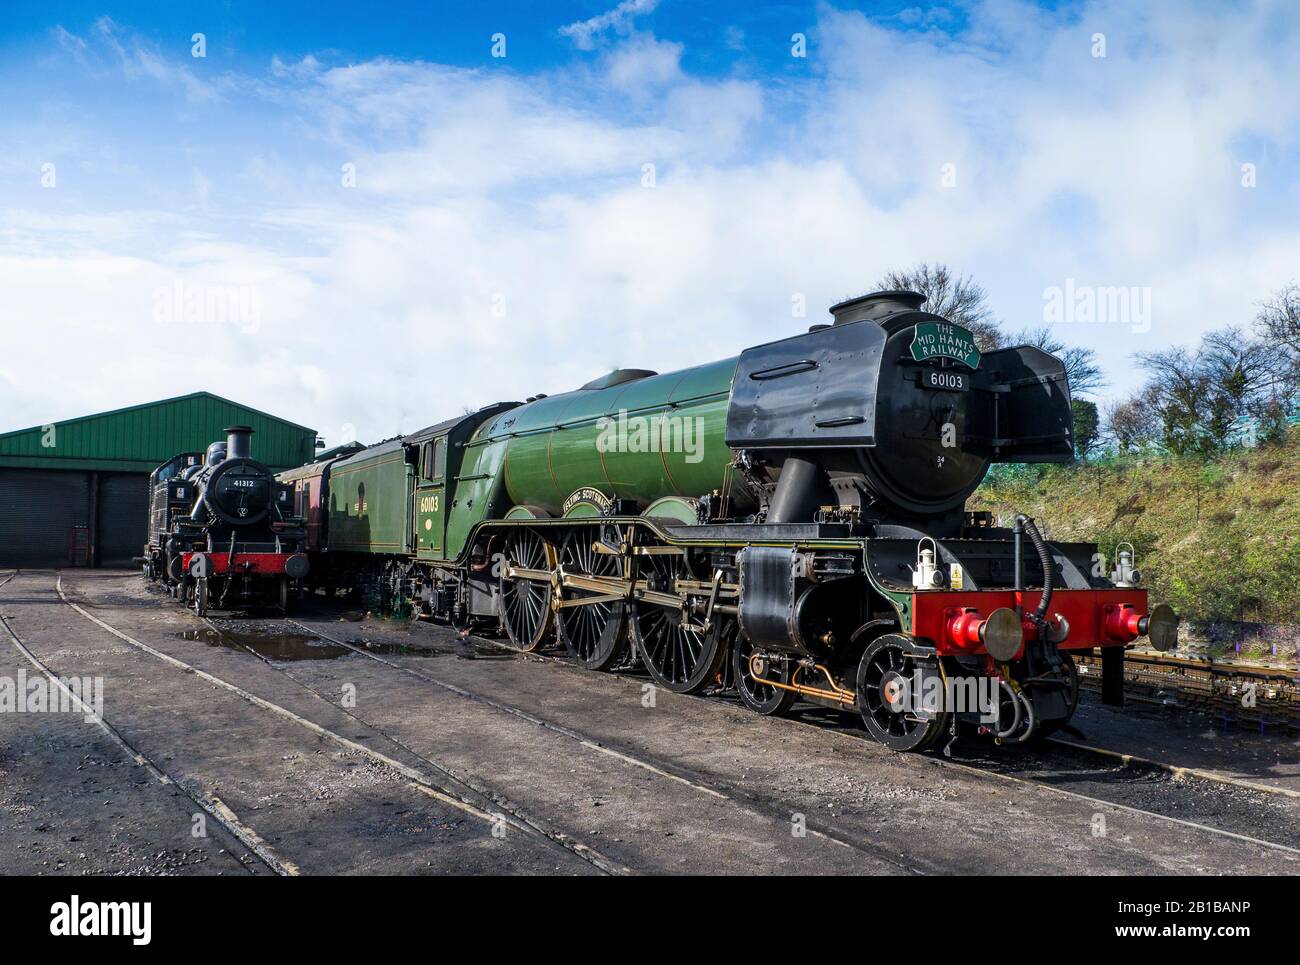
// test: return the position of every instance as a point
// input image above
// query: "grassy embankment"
(1219, 541)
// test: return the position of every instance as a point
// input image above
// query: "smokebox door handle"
(779, 371)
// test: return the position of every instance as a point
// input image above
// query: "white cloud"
(69, 41)
(480, 191)
(586, 33)
(109, 45)
(645, 62)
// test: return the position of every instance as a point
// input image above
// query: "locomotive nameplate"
(945, 380)
(944, 340)
(589, 496)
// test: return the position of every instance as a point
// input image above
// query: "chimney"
(237, 442)
(876, 306)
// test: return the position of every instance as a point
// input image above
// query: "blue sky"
(357, 217)
(247, 34)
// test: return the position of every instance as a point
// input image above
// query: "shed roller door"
(38, 509)
(123, 517)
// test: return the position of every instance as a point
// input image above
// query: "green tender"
(370, 502)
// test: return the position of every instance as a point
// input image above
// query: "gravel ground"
(578, 760)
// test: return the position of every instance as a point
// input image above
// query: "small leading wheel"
(885, 682)
(458, 616)
(284, 594)
(526, 597)
(747, 663)
(201, 597)
(679, 658)
(595, 634)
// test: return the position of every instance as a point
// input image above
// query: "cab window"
(434, 459)
(439, 458)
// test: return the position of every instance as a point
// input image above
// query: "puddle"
(298, 646)
(272, 646)
(399, 649)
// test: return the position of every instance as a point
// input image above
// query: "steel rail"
(423, 783)
(203, 797)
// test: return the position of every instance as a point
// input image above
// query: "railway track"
(758, 805)
(202, 797)
(1232, 691)
(1177, 787)
(1105, 786)
(774, 817)
(474, 801)
(1116, 781)
(492, 816)
(1175, 770)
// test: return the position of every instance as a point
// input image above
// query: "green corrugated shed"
(139, 438)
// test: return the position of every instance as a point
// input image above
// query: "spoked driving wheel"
(595, 634)
(678, 656)
(526, 589)
(749, 667)
(889, 708)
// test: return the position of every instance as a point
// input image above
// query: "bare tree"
(1242, 374)
(1179, 391)
(1278, 321)
(1132, 422)
(1278, 324)
(1205, 398)
(955, 297)
(1081, 366)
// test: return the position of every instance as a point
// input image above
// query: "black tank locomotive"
(222, 530)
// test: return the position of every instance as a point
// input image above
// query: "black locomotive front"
(223, 531)
(876, 429)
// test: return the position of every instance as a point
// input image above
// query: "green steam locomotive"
(790, 523)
